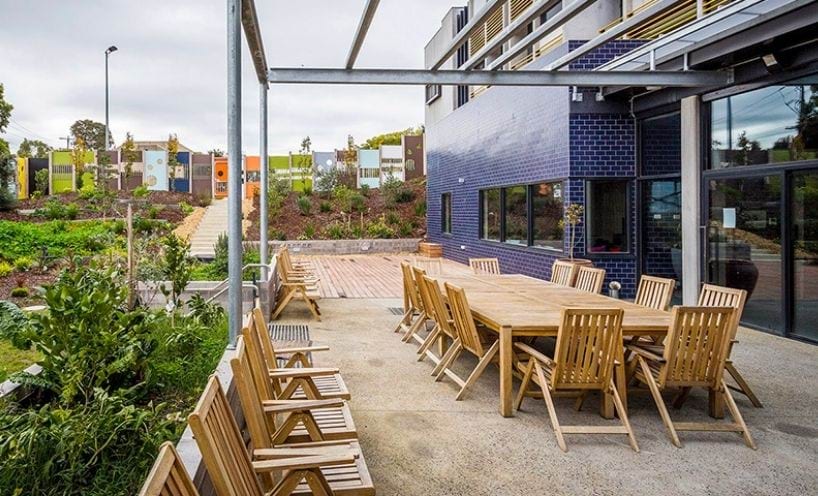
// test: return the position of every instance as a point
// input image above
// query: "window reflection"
(516, 217)
(547, 203)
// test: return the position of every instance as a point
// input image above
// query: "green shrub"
(208, 314)
(365, 190)
(343, 196)
(5, 269)
(55, 210)
(203, 200)
(277, 234)
(220, 257)
(140, 191)
(175, 267)
(186, 208)
(420, 208)
(41, 182)
(325, 207)
(406, 229)
(152, 212)
(309, 231)
(380, 230)
(395, 191)
(23, 239)
(392, 218)
(304, 205)
(19, 293)
(358, 202)
(336, 231)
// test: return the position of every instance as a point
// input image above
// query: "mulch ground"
(29, 280)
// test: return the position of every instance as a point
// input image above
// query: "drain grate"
(290, 335)
(395, 310)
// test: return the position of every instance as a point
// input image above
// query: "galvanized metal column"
(234, 196)
(263, 241)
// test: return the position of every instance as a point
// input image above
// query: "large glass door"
(745, 244)
(662, 230)
(804, 225)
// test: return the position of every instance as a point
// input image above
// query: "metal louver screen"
(517, 7)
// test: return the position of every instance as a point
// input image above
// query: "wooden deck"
(367, 276)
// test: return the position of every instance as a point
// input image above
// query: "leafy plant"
(55, 210)
(365, 190)
(325, 207)
(220, 252)
(336, 231)
(392, 218)
(208, 314)
(405, 230)
(19, 293)
(358, 202)
(304, 205)
(22, 264)
(140, 191)
(343, 195)
(380, 230)
(5, 269)
(309, 231)
(420, 208)
(186, 208)
(573, 217)
(175, 267)
(14, 325)
(41, 182)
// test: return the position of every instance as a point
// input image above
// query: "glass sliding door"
(744, 244)
(662, 230)
(804, 227)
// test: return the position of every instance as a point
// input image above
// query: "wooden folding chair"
(273, 422)
(590, 279)
(425, 308)
(468, 339)
(298, 382)
(484, 265)
(291, 289)
(588, 342)
(655, 292)
(329, 469)
(712, 295)
(411, 305)
(693, 356)
(168, 477)
(444, 325)
(429, 265)
(564, 273)
(289, 356)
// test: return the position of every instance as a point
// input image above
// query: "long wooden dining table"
(515, 305)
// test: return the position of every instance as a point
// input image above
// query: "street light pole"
(111, 49)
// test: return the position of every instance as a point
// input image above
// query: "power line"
(23, 128)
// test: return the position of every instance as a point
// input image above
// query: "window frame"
(446, 213)
(629, 212)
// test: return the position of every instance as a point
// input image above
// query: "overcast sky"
(169, 73)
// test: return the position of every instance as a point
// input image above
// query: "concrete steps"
(207, 233)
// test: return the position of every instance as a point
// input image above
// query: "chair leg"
(549, 404)
(406, 316)
(580, 400)
(446, 360)
(428, 342)
(660, 403)
(282, 305)
(623, 417)
(737, 418)
(420, 322)
(680, 398)
(524, 386)
(743, 387)
(478, 371)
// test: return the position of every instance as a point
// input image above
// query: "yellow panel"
(22, 178)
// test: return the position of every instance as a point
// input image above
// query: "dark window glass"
(446, 211)
(516, 215)
(607, 217)
(661, 139)
(551, 12)
(765, 126)
(490, 214)
(547, 206)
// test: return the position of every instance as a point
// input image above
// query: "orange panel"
(220, 177)
(252, 170)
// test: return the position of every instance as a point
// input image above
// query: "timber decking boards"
(365, 276)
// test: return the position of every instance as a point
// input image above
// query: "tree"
(5, 111)
(78, 159)
(8, 170)
(305, 163)
(351, 153)
(128, 154)
(216, 152)
(393, 138)
(92, 134)
(173, 149)
(33, 149)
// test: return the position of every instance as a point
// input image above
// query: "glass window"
(516, 215)
(547, 206)
(446, 213)
(661, 140)
(490, 214)
(764, 126)
(607, 216)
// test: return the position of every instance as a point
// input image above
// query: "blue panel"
(369, 159)
(181, 185)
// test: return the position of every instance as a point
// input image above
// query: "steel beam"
(264, 165)
(360, 34)
(479, 18)
(615, 32)
(562, 17)
(252, 32)
(498, 78)
(234, 247)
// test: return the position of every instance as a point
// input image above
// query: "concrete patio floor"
(417, 440)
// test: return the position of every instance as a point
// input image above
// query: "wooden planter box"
(431, 250)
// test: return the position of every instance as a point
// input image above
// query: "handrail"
(243, 285)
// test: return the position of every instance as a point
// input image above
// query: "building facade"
(718, 181)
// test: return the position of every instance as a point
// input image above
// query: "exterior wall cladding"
(511, 136)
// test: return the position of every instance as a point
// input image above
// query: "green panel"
(279, 162)
(61, 158)
(298, 184)
(300, 161)
(61, 184)
(88, 181)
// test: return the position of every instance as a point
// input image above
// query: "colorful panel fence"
(202, 175)
(181, 178)
(252, 175)
(62, 173)
(22, 178)
(156, 170)
(220, 177)
(34, 166)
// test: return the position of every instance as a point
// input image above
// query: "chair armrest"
(288, 406)
(301, 372)
(645, 353)
(311, 449)
(534, 353)
(303, 349)
(304, 462)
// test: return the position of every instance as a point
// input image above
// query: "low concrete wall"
(346, 246)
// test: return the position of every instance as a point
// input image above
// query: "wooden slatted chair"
(712, 295)
(273, 422)
(429, 265)
(288, 357)
(444, 325)
(298, 382)
(426, 310)
(588, 342)
(293, 289)
(484, 265)
(168, 477)
(468, 339)
(655, 292)
(693, 356)
(563, 273)
(411, 305)
(590, 279)
(293, 266)
(329, 469)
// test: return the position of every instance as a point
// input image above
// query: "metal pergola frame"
(242, 13)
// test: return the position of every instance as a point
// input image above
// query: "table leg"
(715, 404)
(506, 353)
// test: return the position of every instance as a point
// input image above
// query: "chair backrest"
(430, 265)
(442, 315)
(696, 345)
(484, 265)
(267, 389)
(464, 324)
(719, 296)
(590, 279)
(587, 344)
(425, 304)
(409, 288)
(168, 476)
(563, 273)
(260, 328)
(220, 442)
(655, 292)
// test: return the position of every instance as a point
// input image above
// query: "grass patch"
(14, 360)
(24, 239)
